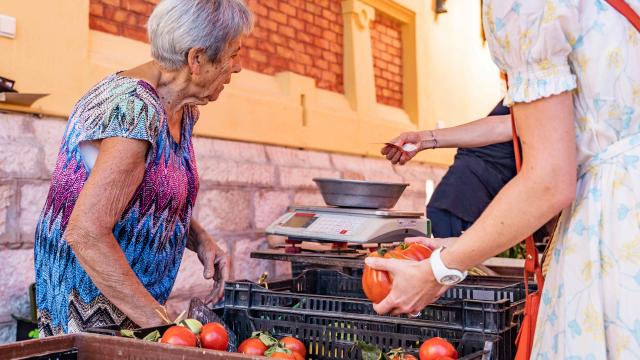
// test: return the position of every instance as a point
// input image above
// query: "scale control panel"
(325, 224)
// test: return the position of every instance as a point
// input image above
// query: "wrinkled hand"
(432, 243)
(414, 286)
(395, 154)
(215, 262)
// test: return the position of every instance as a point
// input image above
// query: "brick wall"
(386, 42)
(126, 18)
(301, 36)
(244, 187)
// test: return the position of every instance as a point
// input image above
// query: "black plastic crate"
(330, 291)
(335, 283)
(299, 268)
(330, 336)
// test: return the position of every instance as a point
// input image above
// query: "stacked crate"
(327, 310)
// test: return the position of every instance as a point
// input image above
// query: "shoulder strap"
(623, 8)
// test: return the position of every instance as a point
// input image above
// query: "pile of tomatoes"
(214, 336)
(192, 333)
(262, 344)
(377, 283)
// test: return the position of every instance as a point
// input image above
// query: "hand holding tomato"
(376, 284)
(413, 288)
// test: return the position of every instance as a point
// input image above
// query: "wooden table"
(101, 347)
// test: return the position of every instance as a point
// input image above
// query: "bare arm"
(215, 261)
(544, 187)
(117, 172)
(486, 131)
(482, 132)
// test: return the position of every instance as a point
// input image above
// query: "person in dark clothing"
(477, 174)
(474, 179)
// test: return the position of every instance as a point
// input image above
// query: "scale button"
(343, 232)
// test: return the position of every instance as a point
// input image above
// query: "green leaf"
(192, 324)
(154, 336)
(398, 352)
(128, 333)
(369, 352)
(265, 338)
(34, 334)
(276, 349)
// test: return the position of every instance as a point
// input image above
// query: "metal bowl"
(360, 194)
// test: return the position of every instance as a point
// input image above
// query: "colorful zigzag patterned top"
(152, 230)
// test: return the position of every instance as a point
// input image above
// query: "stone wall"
(244, 187)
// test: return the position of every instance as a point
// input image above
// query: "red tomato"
(437, 348)
(179, 335)
(252, 346)
(294, 345)
(414, 251)
(213, 336)
(376, 284)
(290, 356)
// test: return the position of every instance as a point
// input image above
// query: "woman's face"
(208, 82)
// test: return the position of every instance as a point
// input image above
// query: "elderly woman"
(574, 88)
(118, 216)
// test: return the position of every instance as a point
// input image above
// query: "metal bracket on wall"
(441, 6)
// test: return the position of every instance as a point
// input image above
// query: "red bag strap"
(626, 11)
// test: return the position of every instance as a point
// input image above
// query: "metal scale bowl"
(360, 194)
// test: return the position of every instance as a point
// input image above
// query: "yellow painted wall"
(55, 52)
(463, 82)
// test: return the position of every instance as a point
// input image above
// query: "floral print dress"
(590, 305)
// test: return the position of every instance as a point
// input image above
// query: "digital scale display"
(300, 220)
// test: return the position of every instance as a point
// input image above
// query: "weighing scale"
(349, 225)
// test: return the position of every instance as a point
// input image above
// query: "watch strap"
(441, 271)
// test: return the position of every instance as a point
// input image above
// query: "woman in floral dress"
(574, 87)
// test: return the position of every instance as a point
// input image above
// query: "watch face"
(450, 279)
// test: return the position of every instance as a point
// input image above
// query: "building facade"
(324, 82)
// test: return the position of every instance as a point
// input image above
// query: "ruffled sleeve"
(531, 41)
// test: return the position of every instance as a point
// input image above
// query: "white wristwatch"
(443, 274)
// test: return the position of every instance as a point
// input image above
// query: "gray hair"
(176, 26)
